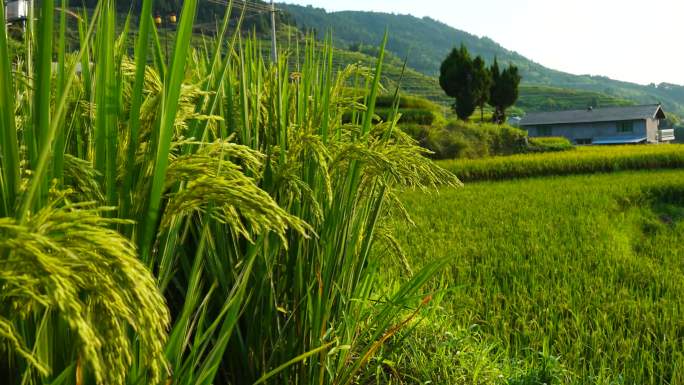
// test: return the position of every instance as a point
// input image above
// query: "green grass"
(586, 269)
(549, 144)
(581, 160)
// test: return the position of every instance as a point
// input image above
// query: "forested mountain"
(426, 42)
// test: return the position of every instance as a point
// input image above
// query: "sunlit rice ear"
(66, 258)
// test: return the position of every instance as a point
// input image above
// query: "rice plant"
(584, 268)
(207, 218)
(582, 160)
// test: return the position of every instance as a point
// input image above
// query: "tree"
(456, 77)
(482, 80)
(504, 90)
(594, 103)
(495, 73)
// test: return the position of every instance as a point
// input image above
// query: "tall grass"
(206, 222)
(582, 160)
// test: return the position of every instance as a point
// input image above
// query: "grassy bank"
(582, 160)
(586, 269)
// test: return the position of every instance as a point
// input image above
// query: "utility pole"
(274, 47)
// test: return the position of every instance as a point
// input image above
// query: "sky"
(640, 41)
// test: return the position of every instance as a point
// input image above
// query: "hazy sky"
(640, 41)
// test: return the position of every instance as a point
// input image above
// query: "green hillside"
(533, 98)
(541, 98)
(410, 80)
(425, 42)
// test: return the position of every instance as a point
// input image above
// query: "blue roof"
(619, 140)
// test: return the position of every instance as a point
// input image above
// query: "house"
(16, 10)
(612, 125)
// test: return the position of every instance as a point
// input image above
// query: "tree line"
(472, 84)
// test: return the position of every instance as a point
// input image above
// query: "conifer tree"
(504, 90)
(456, 77)
(482, 80)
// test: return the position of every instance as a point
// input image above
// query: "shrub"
(422, 116)
(407, 101)
(412, 116)
(549, 144)
(442, 143)
(679, 134)
(489, 139)
(413, 109)
(468, 140)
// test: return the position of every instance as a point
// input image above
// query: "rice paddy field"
(583, 159)
(585, 269)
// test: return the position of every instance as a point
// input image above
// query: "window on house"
(544, 131)
(583, 141)
(625, 127)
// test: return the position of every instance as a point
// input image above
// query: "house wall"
(594, 130)
(652, 130)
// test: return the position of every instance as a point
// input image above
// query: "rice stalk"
(217, 192)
